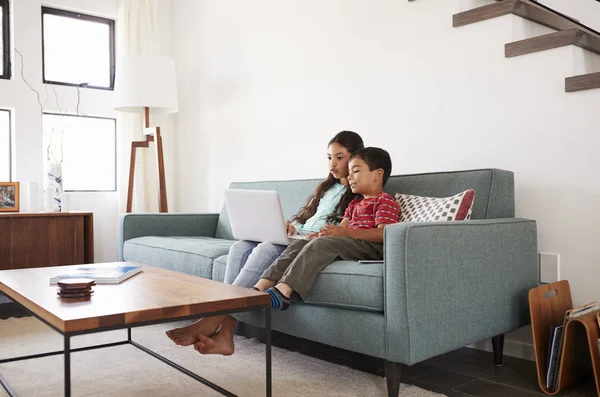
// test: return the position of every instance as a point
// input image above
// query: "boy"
(358, 236)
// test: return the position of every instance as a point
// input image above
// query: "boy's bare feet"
(221, 343)
(188, 335)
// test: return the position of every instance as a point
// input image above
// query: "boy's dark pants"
(302, 260)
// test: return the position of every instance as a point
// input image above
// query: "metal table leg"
(268, 349)
(67, 366)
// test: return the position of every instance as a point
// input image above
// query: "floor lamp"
(148, 84)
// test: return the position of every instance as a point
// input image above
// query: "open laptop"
(256, 215)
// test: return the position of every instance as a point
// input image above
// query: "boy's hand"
(291, 230)
(332, 230)
(313, 235)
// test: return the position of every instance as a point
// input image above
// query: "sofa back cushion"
(494, 192)
(494, 189)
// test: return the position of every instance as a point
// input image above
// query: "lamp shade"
(145, 81)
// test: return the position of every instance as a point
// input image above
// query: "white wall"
(265, 84)
(28, 153)
(585, 11)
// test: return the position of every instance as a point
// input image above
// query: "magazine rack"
(548, 305)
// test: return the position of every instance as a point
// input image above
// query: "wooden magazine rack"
(580, 356)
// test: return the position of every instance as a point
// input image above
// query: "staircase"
(568, 32)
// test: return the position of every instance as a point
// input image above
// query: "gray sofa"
(443, 285)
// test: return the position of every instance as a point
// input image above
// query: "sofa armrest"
(164, 224)
(449, 284)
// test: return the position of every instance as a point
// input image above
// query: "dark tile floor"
(462, 373)
(470, 372)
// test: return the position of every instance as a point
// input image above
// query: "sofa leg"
(498, 346)
(393, 376)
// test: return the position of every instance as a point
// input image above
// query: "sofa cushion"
(494, 189)
(219, 266)
(349, 284)
(194, 255)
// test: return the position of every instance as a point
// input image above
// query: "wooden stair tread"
(548, 41)
(523, 8)
(582, 82)
(483, 13)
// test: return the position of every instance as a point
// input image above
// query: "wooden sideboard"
(43, 239)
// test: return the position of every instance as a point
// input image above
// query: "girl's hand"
(291, 230)
(332, 230)
(313, 235)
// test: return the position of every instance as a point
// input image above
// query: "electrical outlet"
(549, 267)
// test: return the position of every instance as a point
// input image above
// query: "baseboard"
(512, 348)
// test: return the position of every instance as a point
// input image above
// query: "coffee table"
(153, 296)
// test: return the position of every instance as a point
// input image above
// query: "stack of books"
(555, 342)
(106, 273)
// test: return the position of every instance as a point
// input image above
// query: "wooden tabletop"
(154, 294)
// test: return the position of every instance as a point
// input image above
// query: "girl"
(248, 260)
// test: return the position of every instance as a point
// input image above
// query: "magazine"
(102, 274)
(553, 354)
(572, 313)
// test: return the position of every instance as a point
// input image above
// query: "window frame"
(116, 149)
(10, 152)
(82, 17)
(6, 73)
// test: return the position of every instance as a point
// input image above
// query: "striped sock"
(278, 300)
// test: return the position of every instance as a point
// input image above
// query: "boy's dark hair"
(375, 158)
(352, 142)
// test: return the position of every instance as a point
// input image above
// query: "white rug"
(127, 371)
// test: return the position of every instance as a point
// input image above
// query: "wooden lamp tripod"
(152, 135)
(146, 82)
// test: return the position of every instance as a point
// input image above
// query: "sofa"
(442, 285)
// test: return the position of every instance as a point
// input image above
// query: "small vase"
(55, 180)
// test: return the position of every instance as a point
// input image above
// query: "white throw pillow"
(431, 209)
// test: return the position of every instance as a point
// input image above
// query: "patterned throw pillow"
(431, 209)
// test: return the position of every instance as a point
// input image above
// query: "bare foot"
(285, 289)
(221, 343)
(263, 284)
(186, 336)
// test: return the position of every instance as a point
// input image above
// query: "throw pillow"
(431, 209)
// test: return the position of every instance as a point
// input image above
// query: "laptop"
(256, 215)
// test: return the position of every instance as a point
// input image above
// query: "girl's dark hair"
(352, 142)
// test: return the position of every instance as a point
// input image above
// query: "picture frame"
(9, 197)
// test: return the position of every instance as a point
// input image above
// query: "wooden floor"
(462, 373)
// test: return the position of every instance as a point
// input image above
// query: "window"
(78, 49)
(5, 160)
(87, 147)
(4, 40)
